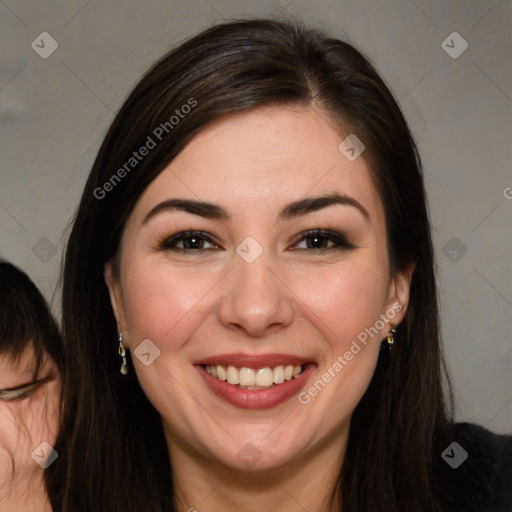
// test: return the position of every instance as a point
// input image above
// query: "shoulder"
(476, 472)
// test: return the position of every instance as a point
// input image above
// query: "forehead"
(258, 160)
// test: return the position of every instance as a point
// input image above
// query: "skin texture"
(302, 302)
(25, 423)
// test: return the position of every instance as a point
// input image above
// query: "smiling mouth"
(255, 379)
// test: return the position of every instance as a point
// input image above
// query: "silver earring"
(122, 353)
(391, 337)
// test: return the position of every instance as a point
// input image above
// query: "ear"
(116, 300)
(398, 295)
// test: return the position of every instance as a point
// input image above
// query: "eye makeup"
(338, 239)
(22, 391)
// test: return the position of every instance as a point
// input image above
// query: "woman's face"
(250, 288)
(29, 412)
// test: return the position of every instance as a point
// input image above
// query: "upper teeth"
(262, 377)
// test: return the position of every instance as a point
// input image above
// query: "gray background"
(54, 112)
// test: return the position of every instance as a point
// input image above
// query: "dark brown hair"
(114, 452)
(26, 324)
(26, 321)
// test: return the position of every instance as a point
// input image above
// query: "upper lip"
(240, 360)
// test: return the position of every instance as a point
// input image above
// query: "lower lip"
(253, 399)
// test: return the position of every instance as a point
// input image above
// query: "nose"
(256, 299)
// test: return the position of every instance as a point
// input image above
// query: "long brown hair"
(114, 455)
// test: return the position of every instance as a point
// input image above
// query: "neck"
(305, 483)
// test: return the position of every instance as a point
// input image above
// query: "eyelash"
(21, 393)
(340, 240)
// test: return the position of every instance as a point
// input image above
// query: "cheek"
(347, 301)
(161, 304)
(8, 438)
(45, 413)
(13, 448)
(24, 425)
(6, 455)
(347, 307)
(166, 304)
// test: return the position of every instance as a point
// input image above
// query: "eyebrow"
(297, 208)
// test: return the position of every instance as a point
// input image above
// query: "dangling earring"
(122, 353)
(391, 336)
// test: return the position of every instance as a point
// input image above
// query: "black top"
(482, 482)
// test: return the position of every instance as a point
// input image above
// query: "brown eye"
(319, 240)
(192, 241)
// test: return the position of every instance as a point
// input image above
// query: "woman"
(249, 300)
(30, 358)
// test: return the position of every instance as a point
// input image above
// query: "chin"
(248, 452)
